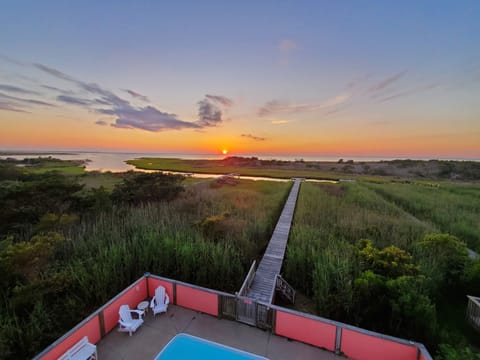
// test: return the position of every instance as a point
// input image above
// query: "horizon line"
(33, 151)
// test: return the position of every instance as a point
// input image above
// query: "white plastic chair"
(160, 301)
(127, 323)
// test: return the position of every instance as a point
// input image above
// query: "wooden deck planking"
(265, 277)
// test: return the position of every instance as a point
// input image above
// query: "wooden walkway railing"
(285, 290)
(248, 280)
(264, 282)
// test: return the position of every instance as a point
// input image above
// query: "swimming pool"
(184, 346)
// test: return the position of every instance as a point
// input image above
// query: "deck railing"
(351, 341)
(473, 312)
(99, 323)
(331, 335)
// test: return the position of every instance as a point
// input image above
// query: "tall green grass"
(106, 252)
(322, 259)
(331, 217)
(453, 209)
(165, 239)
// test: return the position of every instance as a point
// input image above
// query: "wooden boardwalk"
(263, 284)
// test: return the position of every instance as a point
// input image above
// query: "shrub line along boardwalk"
(263, 284)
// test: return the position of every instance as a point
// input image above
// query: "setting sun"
(224, 151)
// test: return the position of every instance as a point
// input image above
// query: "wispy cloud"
(6, 106)
(220, 99)
(137, 95)
(253, 137)
(54, 72)
(384, 90)
(74, 100)
(279, 122)
(357, 81)
(11, 61)
(385, 83)
(408, 92)
(16, 89)
(209, 110)
(25, 101)
(334, 111)
(275, 106)
(106, 97)
(147, 118)
(126, 115)
(62, 91)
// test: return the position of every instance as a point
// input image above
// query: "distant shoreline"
(187, 156)
(35, 153)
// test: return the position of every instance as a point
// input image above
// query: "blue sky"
(318, 76)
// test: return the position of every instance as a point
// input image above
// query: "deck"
(264, 281)
(156, 332)
(211, 315)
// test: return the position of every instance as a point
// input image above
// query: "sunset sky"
(360, 78)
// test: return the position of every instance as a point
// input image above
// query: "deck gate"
(246, 310)
(252, 313)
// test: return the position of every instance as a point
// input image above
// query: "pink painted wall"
(306, 330)
(90, 329)
(132, 298)
(154, 283)
(197, 300)
(359, 346)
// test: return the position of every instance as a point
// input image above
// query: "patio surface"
(156, 332)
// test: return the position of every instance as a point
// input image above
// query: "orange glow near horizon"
(49, 132)
(104, 139)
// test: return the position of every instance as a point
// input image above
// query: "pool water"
(184, 346)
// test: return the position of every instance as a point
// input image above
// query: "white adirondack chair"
(127, 323)
(82, 350)
(160, 301)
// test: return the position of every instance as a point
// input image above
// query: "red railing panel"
(90, 329)
(366, 347)
(154, 283)
(306, 330)
(196, 299)
(131, 297)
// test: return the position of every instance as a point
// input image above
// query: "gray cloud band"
(128, 116)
